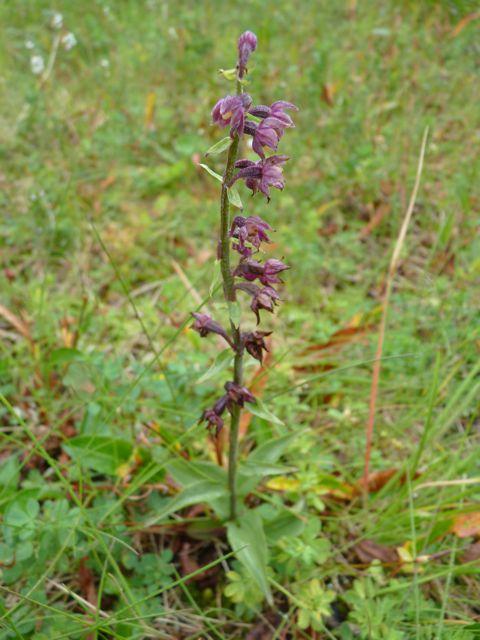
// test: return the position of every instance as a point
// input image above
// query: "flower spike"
(247, 43)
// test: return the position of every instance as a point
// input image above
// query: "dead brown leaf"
(471, 553)
(379, 214)
(17, 323)
(353, 332)
(329, 90)
(379, 479)
(330, 229)
(266, 629)
(368, 550)
(466, 525)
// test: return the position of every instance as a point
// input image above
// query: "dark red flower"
(237, 395)
(252, 230)
(261, 175)
(254, 343)
(231, 110)
(262, 297)
(267, 272)
(267, 134)
(213, 416)
(204, 325)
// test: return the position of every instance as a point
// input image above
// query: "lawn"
(109, 485)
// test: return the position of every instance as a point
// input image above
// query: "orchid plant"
(265, 125)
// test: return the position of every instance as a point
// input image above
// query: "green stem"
(227, 277)
(230, 296)
(233, 448)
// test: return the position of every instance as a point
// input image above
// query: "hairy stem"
(230, 296)
(233, 449)
(227, 277)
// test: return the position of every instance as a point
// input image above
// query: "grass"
(108, 241)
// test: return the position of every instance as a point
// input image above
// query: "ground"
(108, 235)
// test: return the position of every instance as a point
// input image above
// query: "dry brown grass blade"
(464, 22)
(383, 322)
(188, 285)
(17, 323)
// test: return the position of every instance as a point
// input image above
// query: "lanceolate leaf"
(219, 146)
(261, 411)
(187, 472)
(216, 279)
(234, 197)
(222, 361)
(271, 450)
(248, 533)
(100, 453)
(234, 312)
(203, 491)
(211, 171)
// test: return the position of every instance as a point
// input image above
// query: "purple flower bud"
(247, 43)
(252, 229)
(204, 325)
(212, 416)
(231, 110)
(266, 298)
(260, 111)
(262, 298)
(250, 270)
(271, 268)
(242, 164)
(276, 110)
(237, 395)
(254, 343)
(250, 127)
(261, 175)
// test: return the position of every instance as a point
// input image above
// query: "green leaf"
(187, 472)
(190, 472)
(222, 361)
(234, 312)
(219, 147)
(263, 468)
(211, 171)
(64, 355)
(234, 197)
(100, 453)
(217, 276)
(261, 462)
(21, 513)
(228, 74)
(248, 533)
(271, 450)
(285, 524)
(260, 410)
(9, 473)
(203, 491)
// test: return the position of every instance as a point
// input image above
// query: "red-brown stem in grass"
(383, 322)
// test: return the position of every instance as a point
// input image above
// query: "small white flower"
(37, 65)
(57, 20)
(29, 44)
(104, 63)
(20, 414)
(69, 41)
